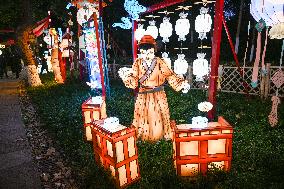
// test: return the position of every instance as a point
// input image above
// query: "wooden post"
(217, 33)
(267, 81)
(262, 85)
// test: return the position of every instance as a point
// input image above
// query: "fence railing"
(229, 80)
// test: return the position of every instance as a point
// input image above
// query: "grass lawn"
(258, 149)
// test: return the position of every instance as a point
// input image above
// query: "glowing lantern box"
(92, 112)
(196, 150)
(116, 150)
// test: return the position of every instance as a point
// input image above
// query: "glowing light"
(200, 67)
(166, 29)
(92, 58)
(203, 23)
(133, 8)
(199, 122)
(0, 52)
(84, 13)
(277, 31)
(180, 65)
(140, 32)
(126, 23)
(182, 26)
(152, 29)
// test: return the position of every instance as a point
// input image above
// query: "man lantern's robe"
(151, 113)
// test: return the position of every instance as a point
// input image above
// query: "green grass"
(258, 149)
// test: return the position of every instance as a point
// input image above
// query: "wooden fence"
(230, 80)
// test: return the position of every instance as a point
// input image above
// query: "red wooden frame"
(215, 131)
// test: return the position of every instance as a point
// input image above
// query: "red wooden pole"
(217, 33)
(162, 5)
(100, 55)
(246, 86)
(134, 41)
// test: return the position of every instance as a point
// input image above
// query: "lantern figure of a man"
(149, 73)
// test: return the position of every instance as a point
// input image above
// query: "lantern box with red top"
(92, 110)
(197, 150)
(115, 149)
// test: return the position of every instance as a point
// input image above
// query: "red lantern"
(92, 112)
(116, 150)
(196, 150)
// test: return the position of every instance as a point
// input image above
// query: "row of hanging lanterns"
(203, 23)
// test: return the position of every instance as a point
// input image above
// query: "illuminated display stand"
(116, 151)
(197, 150)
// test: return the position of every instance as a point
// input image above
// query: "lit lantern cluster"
(92, 58)
(271, 11)
(203, 23)
(200, 67)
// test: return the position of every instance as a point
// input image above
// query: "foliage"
(10, 12)
(258, 156)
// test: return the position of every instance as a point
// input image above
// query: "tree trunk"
(239, 27)
(24, 42)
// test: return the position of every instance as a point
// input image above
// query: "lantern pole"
(217, 33)
(99, 55)
(134, 41)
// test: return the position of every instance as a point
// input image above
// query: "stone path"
(17, 169)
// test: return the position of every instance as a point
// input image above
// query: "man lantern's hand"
(185, 87)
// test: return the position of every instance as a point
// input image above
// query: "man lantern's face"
(147, 55)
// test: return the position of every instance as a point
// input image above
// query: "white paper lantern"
(140, 32)
(180, 65)
(167, 59)
(200, 67)
(152, 29)
(182, 26)
(203, 23)
(199, 122)
(271, 11)
(166, 29)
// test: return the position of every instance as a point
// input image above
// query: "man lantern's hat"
(147, 39)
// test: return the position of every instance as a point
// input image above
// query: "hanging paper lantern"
(166, 29)
(140, 32)
(48, 39)
(180, 65)
(182, 26)
(271, 11)
(152, 29)
(167, 59)
(203, 23)
(200, 67)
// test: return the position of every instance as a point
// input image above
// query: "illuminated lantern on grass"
(92, 109)
(197, 150)
(115, 148)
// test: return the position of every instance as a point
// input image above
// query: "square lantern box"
(196, 150)
(116, 150)
(92, 112)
